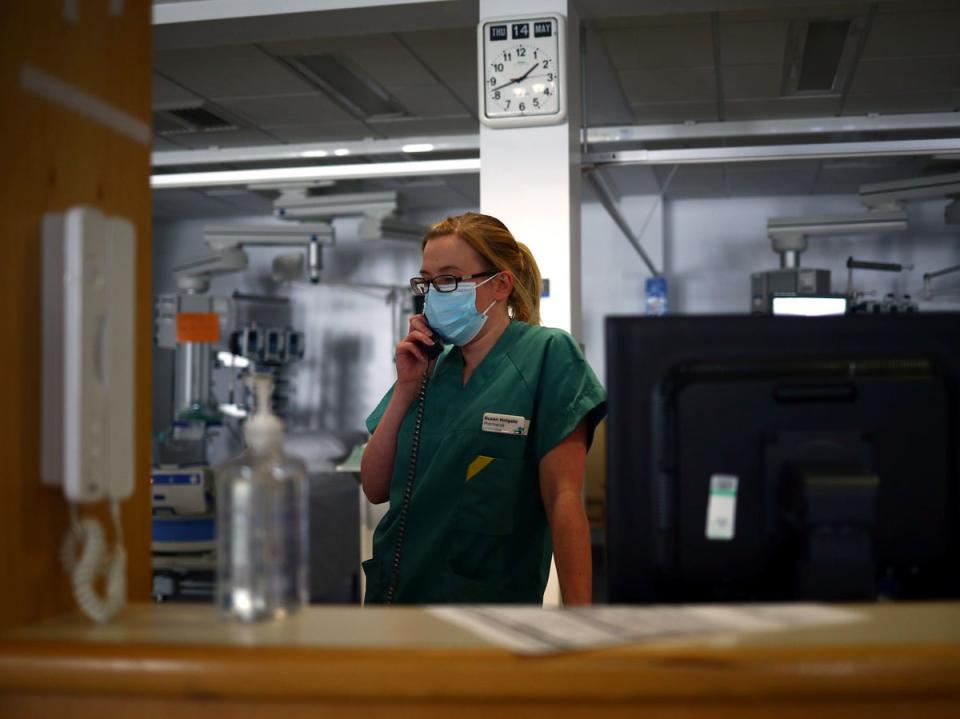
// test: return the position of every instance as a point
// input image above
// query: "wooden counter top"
(365, 660)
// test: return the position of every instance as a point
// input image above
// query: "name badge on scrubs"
(505, 424)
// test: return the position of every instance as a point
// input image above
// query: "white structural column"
(530, 177)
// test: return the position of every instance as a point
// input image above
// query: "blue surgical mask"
(453, 315)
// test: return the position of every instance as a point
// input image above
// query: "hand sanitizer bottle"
(261, 522)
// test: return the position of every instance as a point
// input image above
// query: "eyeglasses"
(444, 283)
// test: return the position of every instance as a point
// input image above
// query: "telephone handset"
(89, 301)
(432, 351)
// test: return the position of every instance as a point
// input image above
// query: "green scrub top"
(476, 529)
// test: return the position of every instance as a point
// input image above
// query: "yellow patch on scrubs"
(476, 465)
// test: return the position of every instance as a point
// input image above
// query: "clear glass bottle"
(261, 522)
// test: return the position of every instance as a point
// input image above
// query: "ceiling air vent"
(349, 85)
(819, 56)
(181, 120)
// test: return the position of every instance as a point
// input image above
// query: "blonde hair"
(491, 239)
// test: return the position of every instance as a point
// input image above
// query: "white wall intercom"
(89, 280)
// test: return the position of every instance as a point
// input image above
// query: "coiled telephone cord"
(407, 492)
(95, 561)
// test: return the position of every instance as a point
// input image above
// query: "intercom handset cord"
(95, 561)
(408, 489)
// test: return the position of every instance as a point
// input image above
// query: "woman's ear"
(502, 285)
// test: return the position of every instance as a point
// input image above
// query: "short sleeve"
(568, 392)
(374, 418)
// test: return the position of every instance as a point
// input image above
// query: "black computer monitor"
(778, 458)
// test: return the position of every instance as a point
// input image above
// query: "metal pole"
(609, 202)
(940, 273)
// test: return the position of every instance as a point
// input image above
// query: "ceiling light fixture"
(341, 152)
(318, 172)
(418, 147)
(314, 153)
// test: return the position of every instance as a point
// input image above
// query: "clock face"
(521, 70)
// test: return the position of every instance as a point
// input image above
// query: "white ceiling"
(720, 61)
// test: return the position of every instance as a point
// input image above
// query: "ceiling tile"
(452, 54)
(326, 132)
(796, 11)
(381, 55)
(675, 112)
(269, 112)
(230, 138)
(408, 127)
(236, 71)
(744, 82)
(168, 94)
(914, 6)
(428, 100)
(903, 102)
(467, 92)
(325, 45)
(923, 34)
(646, 86)
(161, 144)
(779, 108)
(623, 20)
(748, 43)
(392, 65)
(659, 47)
(890, 76)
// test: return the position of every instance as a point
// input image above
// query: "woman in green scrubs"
(499, 423)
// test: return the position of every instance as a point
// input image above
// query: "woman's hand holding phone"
(416, 351)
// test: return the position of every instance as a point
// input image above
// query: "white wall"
(715, 244)
(709, 247)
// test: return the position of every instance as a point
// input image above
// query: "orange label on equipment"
(198, 327)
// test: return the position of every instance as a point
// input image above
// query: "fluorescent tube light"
(329, 172)
(314, 153)
(418, 147)
(341, 152)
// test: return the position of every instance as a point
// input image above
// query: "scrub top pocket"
(488, 504)
(503, 446)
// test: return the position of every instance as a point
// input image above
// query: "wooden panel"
(332, 655)
(54, 158)
(80, 707)
(180, 660)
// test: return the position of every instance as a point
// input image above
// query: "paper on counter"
(533, 630)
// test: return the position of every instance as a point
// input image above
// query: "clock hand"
(515, 79)
(500, 87)
(524, 75)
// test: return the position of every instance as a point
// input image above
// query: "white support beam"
(206, 10)
(362, 148)
(508, 162)
(775, 128)
(596, 136)
(769, 153)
